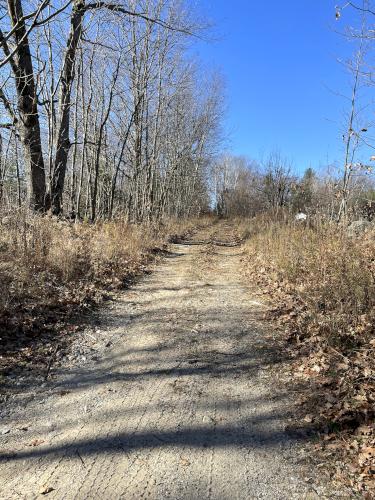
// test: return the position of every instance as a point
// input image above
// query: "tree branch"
(3, 39)
(118, 8)
(7, 105)
(361, 8)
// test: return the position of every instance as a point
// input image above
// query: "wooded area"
(106, 113)
(113, 148)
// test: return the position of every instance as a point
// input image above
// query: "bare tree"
(27, 121)
(29, 86)
(356, 131)
(277, 180)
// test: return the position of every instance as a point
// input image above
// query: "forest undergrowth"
(320, 285)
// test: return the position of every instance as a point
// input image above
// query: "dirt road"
(177, 401)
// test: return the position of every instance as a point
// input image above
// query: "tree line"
(105, 112)
(103, 109)
(339, 191)
(244, 187)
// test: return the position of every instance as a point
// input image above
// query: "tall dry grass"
(320, 283)
(48, 263)
(329, 272)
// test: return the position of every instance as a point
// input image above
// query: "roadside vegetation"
(53, 272)
(320, 286)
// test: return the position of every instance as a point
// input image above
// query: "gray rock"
(6, 221)
(358, 227)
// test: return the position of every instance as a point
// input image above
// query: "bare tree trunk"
(117, 167)
(62, 136)
(28, 122)
(351, 136)
(99, 144)
(73, 210)
(17, 172)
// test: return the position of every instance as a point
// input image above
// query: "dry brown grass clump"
(322, 285)
(52, 269)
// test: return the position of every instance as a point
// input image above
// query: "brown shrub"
(331, 274)
(321, 285)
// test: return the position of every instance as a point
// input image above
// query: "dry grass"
(321, 284)
(331, 274)
(50, 269)
(41, 257)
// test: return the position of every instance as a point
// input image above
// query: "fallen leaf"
(36, 442)
(46, 489)
(365, 430)
(184, 462)
(308, 418)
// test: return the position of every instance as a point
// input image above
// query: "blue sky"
(279, 61)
